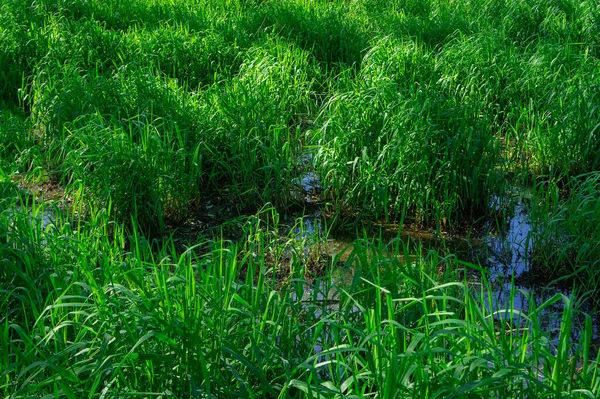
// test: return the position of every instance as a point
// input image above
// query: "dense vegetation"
(150, 151)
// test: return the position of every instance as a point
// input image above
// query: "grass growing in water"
(566, 244)
(151, 114)
(391, 140)
(83, 316)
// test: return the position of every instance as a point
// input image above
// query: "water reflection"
(502, 251)
(515, 290)
(42, 217)
(507, 254)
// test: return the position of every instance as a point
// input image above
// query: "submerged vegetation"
(157, 159)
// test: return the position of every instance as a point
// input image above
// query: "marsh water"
(500, 248)
(42, 217)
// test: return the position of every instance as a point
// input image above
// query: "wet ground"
(500, 248)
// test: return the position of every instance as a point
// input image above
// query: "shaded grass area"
(154, 114)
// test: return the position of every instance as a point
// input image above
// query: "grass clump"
(257, 120)
(131, 142)
(539, 101)
(391, 141)
(566, 242)
(333, 33)
(16, 142)
(238, 140)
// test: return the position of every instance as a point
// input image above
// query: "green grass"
(84, 316)
(391, 140)
(155, 116)
(566, 246)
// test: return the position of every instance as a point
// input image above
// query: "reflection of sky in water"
(309, 227)
(507, 253)
(507, 259)
(42, 217)
(307, 186)
(45, 216)
(311, 182)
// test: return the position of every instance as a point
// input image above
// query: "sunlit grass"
(95, 310)
(566, 240)
(157, 115)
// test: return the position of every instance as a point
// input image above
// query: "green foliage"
(133, 141)
(330, 31)
(21, 45)
(89, 309)
(566, 239)
(15, 141)
(257, 112)
(392, 140)
(151, 113)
